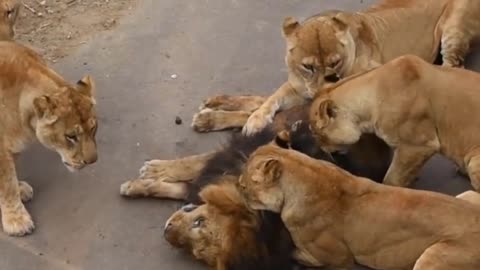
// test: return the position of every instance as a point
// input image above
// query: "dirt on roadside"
(56, 27)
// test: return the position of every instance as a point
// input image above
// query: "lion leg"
(166, 178)
(178, 170)
(458, 32)
(284, 98)
(26, 191)
(470, 196)
(406, 163)
(245, 103)
(154, 188)
(463, 255)
(15, 218)
(473, 170)
(210, 120)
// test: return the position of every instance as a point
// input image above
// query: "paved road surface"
(214, 46)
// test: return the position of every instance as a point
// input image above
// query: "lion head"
(319, 51)
(334, 128)
(226, 234)
(66, 123)
(9, 10)
(258, 183)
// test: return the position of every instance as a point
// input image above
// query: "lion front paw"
(255, 123)
(135, 188)
(17, 222)
(203, 121)
(26, 191)
(163, 170)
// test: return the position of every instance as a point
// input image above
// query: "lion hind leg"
(462, 255)
(470, 196)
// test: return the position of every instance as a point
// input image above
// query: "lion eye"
(198, 222)
(9, 13)
(71, 138)
(309, 68)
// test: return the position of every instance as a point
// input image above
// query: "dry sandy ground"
(56, 27)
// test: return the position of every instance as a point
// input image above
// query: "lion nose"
(91, 159)
(168, 226)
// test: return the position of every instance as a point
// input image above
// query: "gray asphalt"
(213, 46)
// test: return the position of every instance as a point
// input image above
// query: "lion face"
(259, 183)
(217, 231)
(333, 128)
(66, 123)
(316, 52)
(8, 15)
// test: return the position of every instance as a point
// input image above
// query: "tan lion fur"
(417, 108)
(344, 43)
(37, 104)
(336, 219)
(9, 10)
(225, 216)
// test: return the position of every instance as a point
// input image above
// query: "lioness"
(38, 104)
(417, 108)
(336, 219)
(339, 44)
(9, 10)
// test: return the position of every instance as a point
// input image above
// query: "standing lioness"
(336, 219)
(417, 108)
(38, 104)
(340, 44)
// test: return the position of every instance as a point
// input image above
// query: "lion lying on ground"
(417, 108)
(171, 178)
(219, 229)
(336, 219)
(9, 10)
(38, 104)
(338, 44)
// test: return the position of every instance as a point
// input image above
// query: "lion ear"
(225, 197)
(44, 107)
(290, 24)
(86, 86)
(340, 22)
(327, 110)
(272, 170)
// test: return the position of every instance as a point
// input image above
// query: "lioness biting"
(38, 104)
(9, 10)
(338, 44)
(336, 219)
(417, 108)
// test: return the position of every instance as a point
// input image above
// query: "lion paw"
(26, 191)
(135, 188)
(255, 123)
(203, 121)
(163, 170)
(212, 103)
(17, 222)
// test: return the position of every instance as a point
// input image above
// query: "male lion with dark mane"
(38, 104)
(337, 44)
(216, 227)
(336, 218)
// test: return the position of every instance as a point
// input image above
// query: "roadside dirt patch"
(56, 27)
